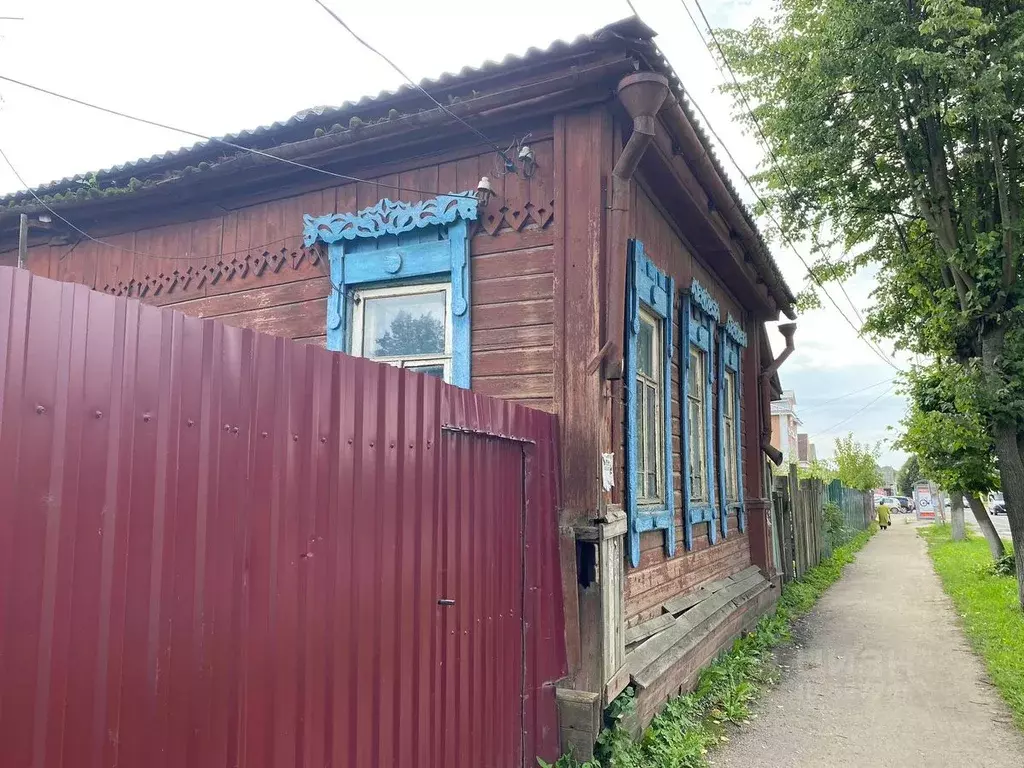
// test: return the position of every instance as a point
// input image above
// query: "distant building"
(806, 452)
(785, 427)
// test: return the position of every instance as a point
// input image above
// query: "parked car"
(893, 503)
(996, 503)
(907, 504)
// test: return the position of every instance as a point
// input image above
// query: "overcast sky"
(218, 66)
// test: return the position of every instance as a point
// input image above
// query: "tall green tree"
(857, 463)
(898, 134)
(950, 439)
(908, 475)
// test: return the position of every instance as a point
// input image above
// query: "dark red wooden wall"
(248, 268)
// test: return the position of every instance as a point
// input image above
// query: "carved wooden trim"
(388, 218)
(503, 213)
(734, 331)
(700, 296)
(191, 278)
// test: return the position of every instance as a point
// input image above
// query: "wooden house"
(594, 262)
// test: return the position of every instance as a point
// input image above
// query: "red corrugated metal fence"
(219, 548)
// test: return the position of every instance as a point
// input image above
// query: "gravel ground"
(880, 675)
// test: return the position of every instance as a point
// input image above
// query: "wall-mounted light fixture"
(484, 191)
(528, 161)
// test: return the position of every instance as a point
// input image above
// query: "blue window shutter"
(700, 314)
(645, 283)
(733, 341)
(722, 458)
(418, 258)
(686, 322)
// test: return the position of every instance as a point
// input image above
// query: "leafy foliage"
(897, 134)
(945, 430)
(819, 469)
(857, 464)
(908, 475)
(410, 334)
(836, 532)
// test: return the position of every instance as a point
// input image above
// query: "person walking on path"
(883, 516)
(920, 699)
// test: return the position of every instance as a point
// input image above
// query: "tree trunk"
(1011, 465)
(956, 514)
(995, 544)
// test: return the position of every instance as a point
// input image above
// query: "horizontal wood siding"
(248, 268)
(659, 578)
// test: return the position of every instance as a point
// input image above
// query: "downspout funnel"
(642, 94)
(787, 330)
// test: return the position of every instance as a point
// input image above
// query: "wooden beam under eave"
(681, 194)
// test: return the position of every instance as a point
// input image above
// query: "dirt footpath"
(880, 675)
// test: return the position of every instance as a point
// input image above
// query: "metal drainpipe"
(642, 94)
(773, 453)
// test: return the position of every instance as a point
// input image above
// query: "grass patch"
(987, 604)
(690, 726)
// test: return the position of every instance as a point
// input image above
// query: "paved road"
(880, 676)
(1002, 523)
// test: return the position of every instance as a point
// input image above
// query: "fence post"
(782, 491)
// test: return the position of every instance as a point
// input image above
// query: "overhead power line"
(223, 142)
(509, 164)
(843, 396)
(852, 415)
(782, 173)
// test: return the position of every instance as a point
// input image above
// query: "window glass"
(696, 414)
(729, 447)
(404, 326)
(649, 395)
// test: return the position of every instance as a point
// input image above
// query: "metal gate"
(482, 652)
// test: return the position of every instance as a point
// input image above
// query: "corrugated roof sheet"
(630, 33)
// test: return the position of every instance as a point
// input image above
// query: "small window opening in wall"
(586, 563)
(406, 326)
(649, 395)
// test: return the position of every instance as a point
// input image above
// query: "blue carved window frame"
(700, 332)
(732, 339)
(412, 258)
(647, 284)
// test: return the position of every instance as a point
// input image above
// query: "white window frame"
(358, 302)
(653, 381)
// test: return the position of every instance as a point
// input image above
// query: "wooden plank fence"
(804, 536)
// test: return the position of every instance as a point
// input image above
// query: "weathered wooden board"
(684, 602)
(509, 338)
(692, 627)
(648, 628)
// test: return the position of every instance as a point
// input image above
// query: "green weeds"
(690, 726)
(987, 602)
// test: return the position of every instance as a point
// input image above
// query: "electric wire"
(778, 166)
(108, 244)
(509, 164)
(852, 415)
(224, 142)
(816, 406)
